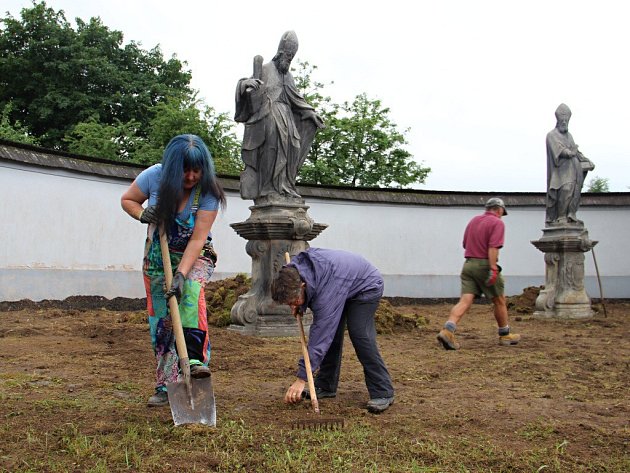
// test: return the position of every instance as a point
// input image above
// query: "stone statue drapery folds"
(566, 171)
(279, 126)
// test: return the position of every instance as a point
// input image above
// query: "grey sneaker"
(447, 339)
(159, 399)
(379, 404)
(199, 371)
(319, 392)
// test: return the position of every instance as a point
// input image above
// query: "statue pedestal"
(272, 229)
(564, 295)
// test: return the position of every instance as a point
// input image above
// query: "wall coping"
(37, 156)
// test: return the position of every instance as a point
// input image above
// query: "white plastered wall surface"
(64, 233)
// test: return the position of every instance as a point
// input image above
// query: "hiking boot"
(319, 392)
(159, 399)
(379, 404)
(509, 339)
(447, 339)
(199, 371)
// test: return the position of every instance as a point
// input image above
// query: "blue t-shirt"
(149, 183)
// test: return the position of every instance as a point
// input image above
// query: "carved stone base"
(272, 229)
(564, 295)
(567, 311)
(273, 326)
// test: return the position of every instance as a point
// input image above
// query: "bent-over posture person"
(183, 195)
(481, 273)
(341, 288)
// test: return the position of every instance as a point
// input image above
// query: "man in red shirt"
(481, 274)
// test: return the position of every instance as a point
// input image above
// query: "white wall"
(419, 248)
(64, 233)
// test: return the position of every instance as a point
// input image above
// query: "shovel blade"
(196, 407)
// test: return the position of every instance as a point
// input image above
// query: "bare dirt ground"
(566, 385)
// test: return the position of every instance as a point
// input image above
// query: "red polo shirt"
(483, 232)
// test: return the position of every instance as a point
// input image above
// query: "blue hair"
(185, 152)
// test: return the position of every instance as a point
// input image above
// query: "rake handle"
(307, 366)
(307, 359)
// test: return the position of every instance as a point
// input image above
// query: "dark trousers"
(359, 317)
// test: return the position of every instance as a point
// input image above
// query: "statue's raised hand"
(252, 84)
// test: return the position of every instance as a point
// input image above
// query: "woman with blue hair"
(183, 196)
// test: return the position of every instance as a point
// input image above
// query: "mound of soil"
(76, 303)
(524, 303)
(390, 319)
(221, 296)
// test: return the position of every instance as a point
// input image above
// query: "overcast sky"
(476, 82)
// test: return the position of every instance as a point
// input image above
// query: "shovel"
(191, 401)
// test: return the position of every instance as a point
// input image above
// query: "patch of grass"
(234, 446)
(538, 430)
(16, 380)
(127, 387)
(63, 404)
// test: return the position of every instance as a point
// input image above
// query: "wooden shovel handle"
(180, 341)
(307, 359)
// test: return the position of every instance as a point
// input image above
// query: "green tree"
(14, 131)
(56, 76)
(183, 115)
(92, 138)
(598, 184)
(360, 145)
(84, 91)
(223, 142)
(172, 117)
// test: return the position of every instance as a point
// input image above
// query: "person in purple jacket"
(340, 288)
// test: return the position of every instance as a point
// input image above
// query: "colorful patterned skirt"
(192, 309)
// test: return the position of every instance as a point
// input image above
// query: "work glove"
(149, 215)
(177, 287)
(493, 275)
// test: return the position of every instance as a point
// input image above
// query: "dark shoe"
(159, 399)
(509, 339)
(447, 339)
(199, 371)
(379, 404)
(319, 392)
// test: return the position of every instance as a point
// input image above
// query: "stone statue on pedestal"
(565, 239)
(566, 171)
(279, 125)
(279, 129)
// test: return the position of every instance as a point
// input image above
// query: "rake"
(324, 423)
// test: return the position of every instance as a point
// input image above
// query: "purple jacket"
(332, 277)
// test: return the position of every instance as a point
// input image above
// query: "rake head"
(324, 423)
